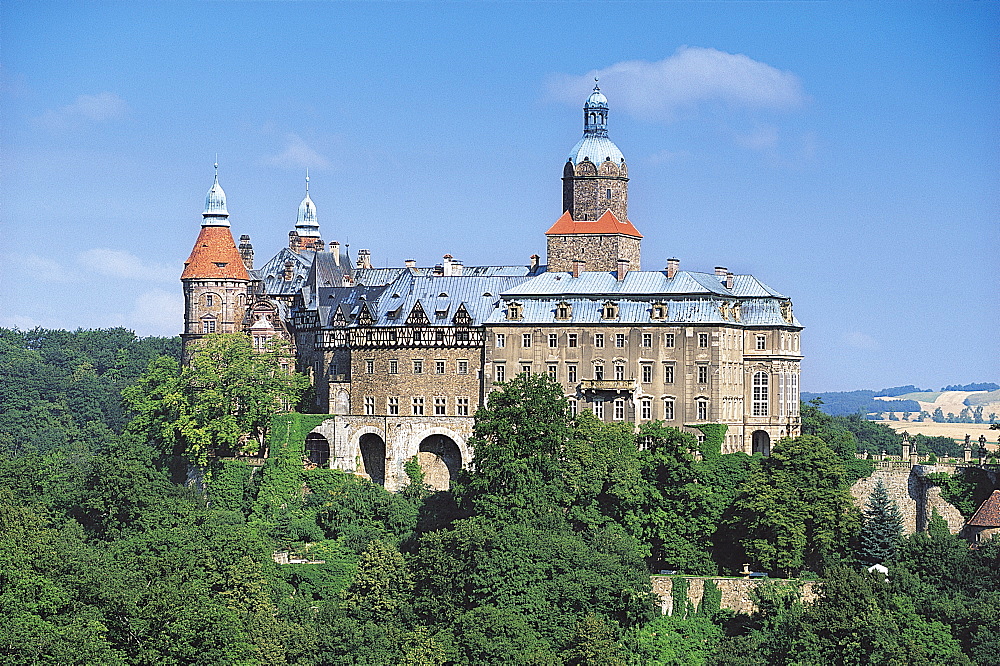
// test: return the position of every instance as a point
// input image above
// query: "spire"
(595, 113)
(215, 214)
(306, 223)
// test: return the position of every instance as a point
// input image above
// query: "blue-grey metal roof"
(440, 294)
(272, 272)
(597, 148)
(649, 283)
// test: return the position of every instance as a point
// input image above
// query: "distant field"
(956, 431)
(926, 396)
(952, 401)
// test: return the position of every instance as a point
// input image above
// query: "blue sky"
(844, 153)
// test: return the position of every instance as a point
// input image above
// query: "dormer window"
(220, 264)
(564, 310)
(659, 311)
(515, 311)
(609, 311)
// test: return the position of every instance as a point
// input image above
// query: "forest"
(539, 555)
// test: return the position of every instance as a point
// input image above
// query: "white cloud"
(860, 340)
(36, 267)
(297, 154)
(22, 322)
(85, 108)
(690, 77)
(765, 136)
(121, 264)
(157, 312)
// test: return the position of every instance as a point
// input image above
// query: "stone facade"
(737, 593)
(916, 498)
(601, 252)
(589, 190)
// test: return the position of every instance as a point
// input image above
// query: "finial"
(307, 180)
(596, 87)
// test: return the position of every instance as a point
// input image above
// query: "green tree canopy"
(881, 529)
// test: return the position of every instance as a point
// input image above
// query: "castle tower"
(215, 279)
(594, 226)
(306, 234)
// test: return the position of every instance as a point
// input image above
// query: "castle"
(401, 358)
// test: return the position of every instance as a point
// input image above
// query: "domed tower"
(215, 279)
(306, 235)
(594, 226)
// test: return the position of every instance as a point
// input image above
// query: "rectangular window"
(668, 373)
(598, 372)
(702, 374)
(599, 408)
(573, 406)
(440, 406)
(500, 372)
(393, 406)
(208, 326)
(501, 340)
(702, 410)
(418, 406)
(439, 336)
(571, 340)
(668, 409)
(703, 340)
(647, 373)
(393, 366)
(619, 371)
(647, 339)
(571, 374)
(619, 413)
(526, 368)
(439, 367)
(418, 366)
(526, 339)
(369, 365)
(646, 409)
(418, 336)
(760, 395)
(369, 405)
(553, 340)
(553, 371)
(761, 342)
(463, 366)
(462, 406)
(668, 340)
(619, 340)
(598, 339)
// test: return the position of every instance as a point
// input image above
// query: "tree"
(222, 401)
(882, 528)
(938, 415)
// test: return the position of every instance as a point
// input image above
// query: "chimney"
(729, 280)
(579, 265)
(721, 270)
(364, 259)
(335, 251)
(293, 241)
(446, 265)
(246, 251)
(288, 272)
(672, 266)
(622, 268)
(438, 270)
(534, 263)
(457, 267)
(410, 263)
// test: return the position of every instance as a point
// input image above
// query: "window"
(668, 373)
(598, 339)
(702, 374)
(609, 311)
(573, 406)
(526, 339)
(439, 367)
(418, 336)
(668, 409)
(571, 373)
(598, 371)
(702, 409)
(463, 366)
(668, 340)
(647, 339)
(440, 406)
(760, 394)
(208, 326)
(599, 408)
(703, 340)
(369, 365)
(501, 340)
(369, 405)
(647, 372)
(619, 371)
(563, 311)
(659, 311)
(418, 406)
(393, 406)
(461, 336)
(619, 413)
(553, 340)
(646, 409)
(514, 311)
(526, 368)
(553, 371)
(761, 342)
(619, 340)
(607, 194)
(393, 366)
(462, 406)
(500, 372)
(418, 366)
(571, 340)
(209, 300)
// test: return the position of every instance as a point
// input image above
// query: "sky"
(845, 153)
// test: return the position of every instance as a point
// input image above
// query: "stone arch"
(609, 168)
(761, 442)
(441, 453)
(317, 450)
(586, 168)
(373, 455)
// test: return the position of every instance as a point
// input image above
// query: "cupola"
(216, 214)
(306, 223)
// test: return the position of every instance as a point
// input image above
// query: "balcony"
(607, 385)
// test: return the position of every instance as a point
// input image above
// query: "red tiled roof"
(988, 514)
(215, 256)
(607, 224)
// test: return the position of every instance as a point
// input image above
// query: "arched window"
(760, 394)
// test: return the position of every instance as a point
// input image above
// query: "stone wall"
(913, 494)
(600, 251)
(736, 592)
